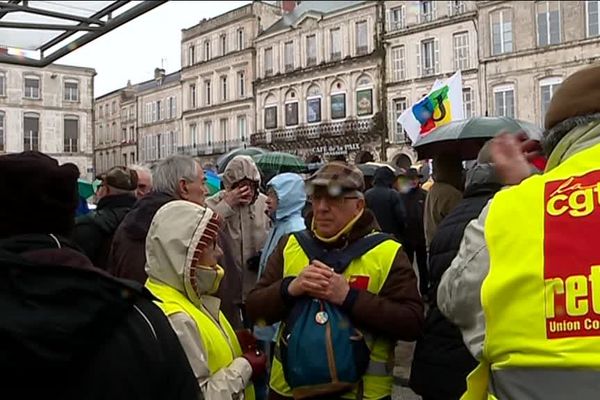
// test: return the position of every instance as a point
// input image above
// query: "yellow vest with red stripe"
(541, 298)
(375, 266)
(219, 340)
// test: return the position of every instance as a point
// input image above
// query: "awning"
(36, 33)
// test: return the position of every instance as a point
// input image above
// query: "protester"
(144, 185)
(243, 208)
(444, 194)
(386, 203)
(441, 361)
(529, 318)
(69, 330)
(183, 274)
(94, 232)
(175, 178)
(382, 298)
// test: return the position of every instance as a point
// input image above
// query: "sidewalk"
(404, 352)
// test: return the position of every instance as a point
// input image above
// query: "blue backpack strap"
(309, 245)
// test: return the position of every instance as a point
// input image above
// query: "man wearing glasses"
(378, 291)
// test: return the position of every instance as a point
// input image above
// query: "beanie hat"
(578, 95)
(120, 178)
(38, 194)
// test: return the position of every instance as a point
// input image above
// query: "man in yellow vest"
(181, 254)
(525, 286)
(378, 290)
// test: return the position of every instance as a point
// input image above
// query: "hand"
(312, 279)
(511, 155)
(258, 362)
(239, 196)
(338, 287)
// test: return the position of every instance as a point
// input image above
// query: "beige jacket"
(176, 228)
(244, 233)
(441, 199)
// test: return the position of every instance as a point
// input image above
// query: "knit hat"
(120, 178)
(38, 194)
(578, 95)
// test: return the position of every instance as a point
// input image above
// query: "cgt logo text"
(575, 198)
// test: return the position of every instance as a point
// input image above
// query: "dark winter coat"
(70, 331)
(441, 361)
(386, 203)
(127, 258)
(94, 232)
(414, 203)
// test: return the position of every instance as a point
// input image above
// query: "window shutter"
(418, 59)
(450, 4)
(433, 10)
(403, 16)
(436, 55)
(389, 20)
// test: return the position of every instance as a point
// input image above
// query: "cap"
(338, 177)
(120, 178)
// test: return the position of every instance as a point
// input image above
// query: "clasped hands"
(320, 281)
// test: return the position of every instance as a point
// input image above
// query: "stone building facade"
(50, 110)
(218, 68)
(108, 140)
(319, 84)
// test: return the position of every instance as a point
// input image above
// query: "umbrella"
(368, 169)
(277, 162)
(466, 137)
(213, 182)
(248, 151)
(87, 189)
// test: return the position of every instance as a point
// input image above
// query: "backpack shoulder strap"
(309, 245)
(359, 248)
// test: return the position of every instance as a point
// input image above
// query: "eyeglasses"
(330, 200)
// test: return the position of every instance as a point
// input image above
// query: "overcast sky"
(133, 50)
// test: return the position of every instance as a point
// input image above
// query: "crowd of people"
(300, 287)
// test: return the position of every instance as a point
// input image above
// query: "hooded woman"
(181, 253)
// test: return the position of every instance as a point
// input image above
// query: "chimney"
(288, 6)
(159, 73)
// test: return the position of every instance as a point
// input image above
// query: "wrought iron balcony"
(212, 148)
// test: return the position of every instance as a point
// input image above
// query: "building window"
(31, 132)
(131, 137)
(426, 11)
(502, 36)
(192, 55)
(223, 88)
(336, 44)
(593, 18)
(268, 61)
(172, 107)
(223, 124)
(548, 87)
(288, 49)
(240, 39)
(291, 114)
(504, 101)
(241, 84)
(2, 84)
(429, 57)
(71, 91)
(397, 18)
(313, 110)
(207, 93)
(271, 117)
(311, 50)
(2, 125)
(114, 107)
(548, 22)
(241, 127)
(338, 106)
(208, 134)
(461, 51)
(456, 7)
(223, 41)
(364, 100)
(362, 39)
(398, 68)
(71, 136)
(207, 50)
(193, 135)
(468, 102)
(159, 114)
(192, 96)
(400, 106)
(32, 87)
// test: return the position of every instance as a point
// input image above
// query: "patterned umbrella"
(213, 182)
(277, 162)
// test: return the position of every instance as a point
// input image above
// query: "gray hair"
(555, 134)
(141, 168)
(170, 171)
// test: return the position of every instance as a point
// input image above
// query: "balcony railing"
(206, 149)
(324, 130)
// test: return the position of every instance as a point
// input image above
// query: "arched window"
(364, 96)
(270, 110)
(291, 108)
(338, 100)
(313, 104)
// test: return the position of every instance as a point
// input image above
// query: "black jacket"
(70, 331)
(441, 361)
(93, 232)
(414, 202)
(386, 203)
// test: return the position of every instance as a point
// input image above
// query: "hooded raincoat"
(242, 237)
(175, 233)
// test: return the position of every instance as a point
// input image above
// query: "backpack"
(321, 352)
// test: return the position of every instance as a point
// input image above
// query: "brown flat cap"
(120, 178)
(578, 95)
(338, 174)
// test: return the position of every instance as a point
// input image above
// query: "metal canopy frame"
(93, 27)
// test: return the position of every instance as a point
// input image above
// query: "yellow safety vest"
(375, 266)
(541, 298)
(219, 339)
